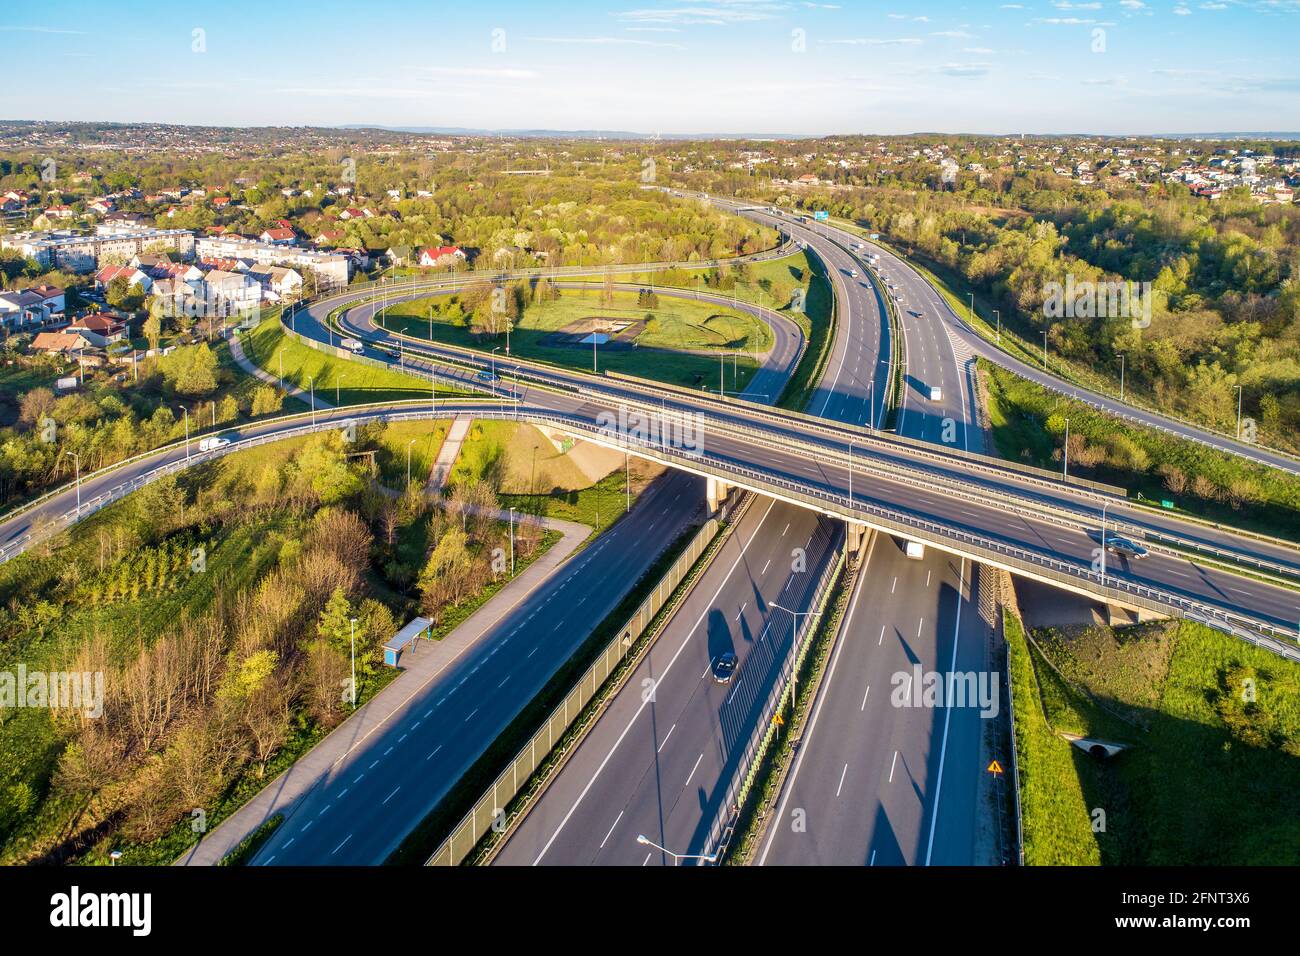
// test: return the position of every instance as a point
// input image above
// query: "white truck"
(915, 550)
(936, 393)
(212, 444)
(352, 345)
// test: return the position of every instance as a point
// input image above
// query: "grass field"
(337, 380)
(1028, 424)
(667, 350)
(1213, 726)
(424, 439)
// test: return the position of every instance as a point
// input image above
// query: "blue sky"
(672, 66)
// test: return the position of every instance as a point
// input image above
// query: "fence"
(489, 809)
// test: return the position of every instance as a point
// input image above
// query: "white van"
(915, 550)
(212, 444)
(936, 393)
(352, 345)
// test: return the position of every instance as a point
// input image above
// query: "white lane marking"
(741, 612)
(647, 858)
(391, 795)
(864, 698)
(893, 763)
(726, 578)
(918, 626)
(471, 714)
(872, 861)
(843, 774)
(765, 567)
(947, 715)
(433, 751)
(341, 845)
(894, 585)
(611, 830)
(532, 652)
(882, 636)
(846, 628)
(927, 578)
(503, 683)
(692, 773)
(660, 748)
(733, 690)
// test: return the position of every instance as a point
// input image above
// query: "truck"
(212, 444)
(936, 393)
(353, 345)
(915, 550)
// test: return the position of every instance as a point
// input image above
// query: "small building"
(393, 648)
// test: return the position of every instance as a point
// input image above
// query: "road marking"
(660, 748)
(344, 792)
(628, 728)
(693, 769)
(787, 528)
(927, 578)
(843, 774)
(403, 737)
(864, 698)
(733, 690)
(373, 765)
(503, 683)
(533, 651)
(306, 826)
(918, 626)
(947, 715)
(765, 567)
(433, 751)
(391, 795)
(388, 751)
(882, 636)
(892, 765)
(894, 585)
(647, 858)
(741, 612)
(611, 830)
(872, 861)
(341, 845)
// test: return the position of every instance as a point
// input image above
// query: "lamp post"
(677, 857)
(794, 643)
(1065, 458)
(1121, 376)
(1044, 349)
(311, 385)
(408, 460)
(493, 383)
(972, 308)
(512, 542)
(338, 390)
(998, 315)
(1104, 506)
(280, 355)
(353, 622)
(187, 431)
(1239, 394)
(851, 472)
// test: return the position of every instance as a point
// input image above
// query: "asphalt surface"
(661, 760)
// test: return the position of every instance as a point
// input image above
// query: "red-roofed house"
(441, 256)
(131, 274)
(99, 328)
(278, 236)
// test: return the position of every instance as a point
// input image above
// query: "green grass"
(1057, 826)
(1210, 777)
(424, 438)
(336, 379)
(666, 351)
(1028, 423)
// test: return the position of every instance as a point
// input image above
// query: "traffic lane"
(919, 286)
(864, 781)
(551, 814)
(668, 771)
(381, 790)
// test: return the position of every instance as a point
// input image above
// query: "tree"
(191, 370)
(266, 400)
(153, 329)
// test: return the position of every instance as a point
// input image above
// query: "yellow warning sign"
(778, 720)
(995, 768)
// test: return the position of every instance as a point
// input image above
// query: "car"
(1117, 544)
(724, 667)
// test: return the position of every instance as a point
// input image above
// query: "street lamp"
(408, 460)
(1239, 394)
(678, 857)
(512, 542)
(1044, 349)
(353, 622)
(280, 356)
(493, 357)
(338, 382)
(311, 385)
(1065, 458)
(1121, 376)
(187, 431)
(851, 472)
(794, 643)
(998, 315)
(1104, 506)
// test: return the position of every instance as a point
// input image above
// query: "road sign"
(821, 214)
(1166, 504)
(995, 768)
(778, 720)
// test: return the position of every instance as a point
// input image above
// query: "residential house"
(133, 276)
(231, 292)
(61, 343)
(440, 256)
(59, 212)
(278, 283)
(278, 236)
(398, 255)
(100, 329)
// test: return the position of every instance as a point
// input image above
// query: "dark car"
(1116, 544)
(724, 667)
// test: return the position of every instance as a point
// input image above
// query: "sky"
(663, 66)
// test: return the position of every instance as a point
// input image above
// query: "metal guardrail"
(488, 809)
(1015, 756)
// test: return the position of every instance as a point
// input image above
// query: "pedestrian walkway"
(447, 454)
(252, 368)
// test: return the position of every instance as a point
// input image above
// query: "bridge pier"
(857, 538)
(1117, 615)
(716, 492)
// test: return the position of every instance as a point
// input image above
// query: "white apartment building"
(330, 269)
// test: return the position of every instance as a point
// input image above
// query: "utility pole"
(1066, 455)
(353, 622)
(1121, 376)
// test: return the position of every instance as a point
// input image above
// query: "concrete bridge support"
(717, 492)
(857, 539)
(1117, 615)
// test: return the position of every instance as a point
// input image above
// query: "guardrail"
(765, 729)
(488, 808)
